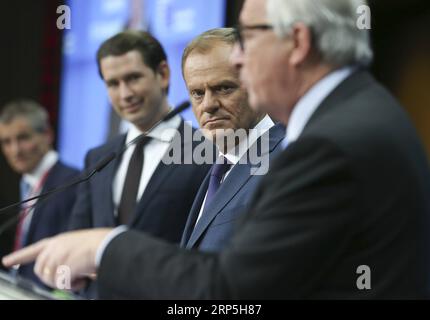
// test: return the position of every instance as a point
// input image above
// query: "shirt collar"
(310, 102)
(235, 154)
(164, 132)
(47, 162)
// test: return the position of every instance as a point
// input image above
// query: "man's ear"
(163, 71)
(301, 36)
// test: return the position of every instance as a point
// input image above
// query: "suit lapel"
(340, 94)
(161, 173)
(107, 176)
(237, 178)
(37, 209)
(195, 210)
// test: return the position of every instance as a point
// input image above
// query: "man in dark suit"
(344, 210)
(26, 141)
(210, 226)
(215, 93)
(134, 67)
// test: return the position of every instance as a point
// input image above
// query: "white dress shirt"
(309, 103)
(47, 162)
(233, 156)
(153, 152)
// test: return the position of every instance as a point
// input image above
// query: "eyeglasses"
(240, 29)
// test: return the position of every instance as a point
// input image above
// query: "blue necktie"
(25, 190)
(21, 232)
(217, 172)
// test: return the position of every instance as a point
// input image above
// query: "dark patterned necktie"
(131, 184)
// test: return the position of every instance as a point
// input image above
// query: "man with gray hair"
(26, 141)
(343, 211)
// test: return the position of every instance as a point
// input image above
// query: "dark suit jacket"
(51, 216)
(215, 227)
(164, 206)
(353, 190)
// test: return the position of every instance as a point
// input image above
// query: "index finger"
(25, 255)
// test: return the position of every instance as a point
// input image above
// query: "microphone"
(183, 106)
(99, 166)
(87, 174)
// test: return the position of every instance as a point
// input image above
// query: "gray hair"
(336, 36)
(205, 41)
(28, 109)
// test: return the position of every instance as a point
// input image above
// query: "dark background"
(31, 50)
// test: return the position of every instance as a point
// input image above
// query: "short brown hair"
(150, 49)
(205, 41)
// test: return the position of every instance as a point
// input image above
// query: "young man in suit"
(343, 212)
(26, 141)
(221, 107)
(154, 197)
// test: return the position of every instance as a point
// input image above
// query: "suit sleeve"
(81, 217)
(298, 227)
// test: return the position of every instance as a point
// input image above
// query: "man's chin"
(143, 123)
(135, 119)
(20, 169)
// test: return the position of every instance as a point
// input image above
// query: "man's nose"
(210, 102)
(125, 91)
(236, 56)
(14, 148)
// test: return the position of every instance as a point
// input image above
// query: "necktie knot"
(220, 168)
(140, 143)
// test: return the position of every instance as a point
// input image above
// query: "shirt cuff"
(110, 236)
